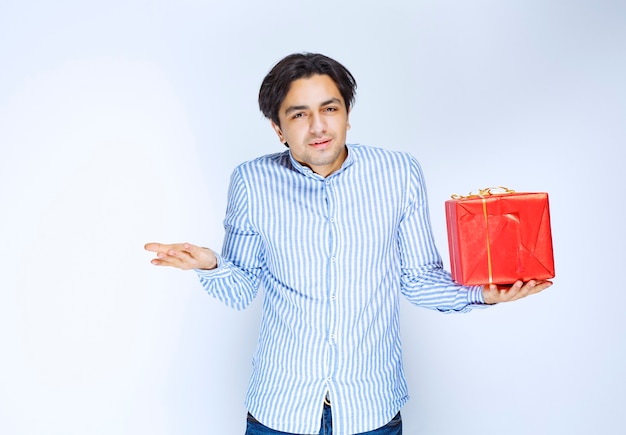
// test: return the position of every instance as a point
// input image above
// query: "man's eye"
(331, 109)
(298, 115)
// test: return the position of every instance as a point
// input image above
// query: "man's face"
(314, 121)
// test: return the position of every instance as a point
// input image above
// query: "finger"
(164, 261)
(173, 258)
(167, 255)
(495, 294)
(192, 250)
(154, 247)
(540, 286)
(182, 256)
(163, 247)
(533, 287)
(170, 256)
(183, 259)
(174, 250)
(511, 293)
(507, 294)
(160, 262)
(187, 256)
(522, 289)
(186, 252)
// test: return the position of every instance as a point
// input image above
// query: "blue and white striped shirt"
(333, 255)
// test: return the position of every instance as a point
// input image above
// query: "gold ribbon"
(487, 191)
(482, 194)
(489, 267)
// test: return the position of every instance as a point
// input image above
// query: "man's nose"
(318, 124)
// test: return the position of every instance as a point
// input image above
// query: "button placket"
(332, 269)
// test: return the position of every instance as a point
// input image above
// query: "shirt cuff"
(475, 295)
(219, 270)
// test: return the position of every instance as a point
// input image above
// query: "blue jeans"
(394, 427)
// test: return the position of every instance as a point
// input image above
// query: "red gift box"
(499, 238)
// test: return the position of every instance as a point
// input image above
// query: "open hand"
(183, 256)
(494, 294)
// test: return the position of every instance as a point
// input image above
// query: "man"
(334, 233)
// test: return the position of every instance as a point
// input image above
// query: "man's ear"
(279, 132)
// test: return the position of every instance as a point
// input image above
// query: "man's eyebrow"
(333, 100)
(292, 109)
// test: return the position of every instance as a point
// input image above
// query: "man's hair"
(277, 82)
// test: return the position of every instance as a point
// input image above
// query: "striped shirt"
(333, 256)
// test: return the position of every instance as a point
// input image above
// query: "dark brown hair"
(277, 82)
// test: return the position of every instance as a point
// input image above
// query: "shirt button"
(333, 297)
(333, 259)
(332, 219)
(332, 336)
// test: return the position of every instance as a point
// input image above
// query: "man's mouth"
(320, 143)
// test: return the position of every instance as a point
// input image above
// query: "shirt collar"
(350, 158)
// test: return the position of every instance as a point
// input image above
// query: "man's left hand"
(494, 294)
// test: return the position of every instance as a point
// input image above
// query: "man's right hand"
(183, 256)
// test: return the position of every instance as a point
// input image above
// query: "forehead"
(315, 89)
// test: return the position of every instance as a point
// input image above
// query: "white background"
(121, 121)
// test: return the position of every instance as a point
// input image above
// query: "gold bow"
(487, 191)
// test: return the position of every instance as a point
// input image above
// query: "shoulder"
(382, 157)
(387, 166)
(266, 160)
(263, 164)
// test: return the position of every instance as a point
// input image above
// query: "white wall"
(121, 121)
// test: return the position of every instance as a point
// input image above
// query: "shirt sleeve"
(236, 279)
(424, 282)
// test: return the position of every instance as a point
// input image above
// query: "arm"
(234, 276)
(424, 281)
